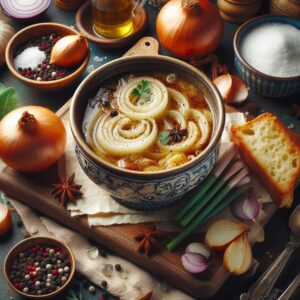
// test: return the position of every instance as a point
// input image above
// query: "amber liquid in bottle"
(112, 18)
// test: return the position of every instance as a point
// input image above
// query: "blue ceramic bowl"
(261, 83)
(146, 190)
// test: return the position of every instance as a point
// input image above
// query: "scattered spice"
(32, 59)
(148, 240)
(40, 270)
(66, 190)
(176, 134)
(147, 296)
(118, 267)
(104, 284)
(92, 289)
(113, 113)
(295, 111)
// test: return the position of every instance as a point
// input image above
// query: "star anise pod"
(295, 111)
(176, 134)
(66, 190)
(148, 240)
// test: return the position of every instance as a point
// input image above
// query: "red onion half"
(246, 208)
(196, 258)
(24, 9)
(194, 263)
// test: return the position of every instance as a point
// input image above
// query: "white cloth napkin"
(138, 282)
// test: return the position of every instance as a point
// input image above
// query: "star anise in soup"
(177, 134)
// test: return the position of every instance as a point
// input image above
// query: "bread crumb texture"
(270, 145)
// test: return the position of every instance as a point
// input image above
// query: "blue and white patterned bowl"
(140, 190)
(261, 83)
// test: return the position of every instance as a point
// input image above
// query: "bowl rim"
(81, 143)
(237, 52)
(44, 83)
(47, 240)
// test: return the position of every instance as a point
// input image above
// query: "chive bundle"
(213, 195)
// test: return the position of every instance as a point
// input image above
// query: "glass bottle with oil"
(114, 18)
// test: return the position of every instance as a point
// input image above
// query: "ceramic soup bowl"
(134, 189)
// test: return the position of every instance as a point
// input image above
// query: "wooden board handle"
(145, 46)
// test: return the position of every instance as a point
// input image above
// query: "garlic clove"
(238, 256)
(231, 88)
(198, 248)
(221, 233)
(224, 85)
(194, 263)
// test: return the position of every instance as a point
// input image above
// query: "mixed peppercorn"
(40, 270)
(44, 71)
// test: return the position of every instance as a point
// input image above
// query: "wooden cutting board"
(34, 190)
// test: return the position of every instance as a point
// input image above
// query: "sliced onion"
(221, 233)
(198, 248)
(246, 208)
(24, 9)
(238, 256)
(194, 263)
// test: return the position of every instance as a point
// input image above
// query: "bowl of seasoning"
(39, 267)
(47, 56)
(267, 55)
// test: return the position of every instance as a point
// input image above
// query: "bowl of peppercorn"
(39, 267)
(47, 56)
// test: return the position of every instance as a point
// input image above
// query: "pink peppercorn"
(17, 285)
(45, 254)
(33, 249)
(54, 272)
(28, 72)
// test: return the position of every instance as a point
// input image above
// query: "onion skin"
(5, 219)
(31, 148)
(189, 32)
(69, 51)
(222, 232)
(238, 256)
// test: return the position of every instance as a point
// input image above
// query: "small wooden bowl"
(28, 243)
(35, 31)
(84, 22)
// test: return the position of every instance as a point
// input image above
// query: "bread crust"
(282, 197)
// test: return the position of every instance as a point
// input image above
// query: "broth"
(148, 122)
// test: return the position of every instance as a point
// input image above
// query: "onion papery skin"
(32, 151)
(31, 9)
(189, 32)
(5, 218)
(69, 51)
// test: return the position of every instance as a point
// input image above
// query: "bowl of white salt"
(267, 55)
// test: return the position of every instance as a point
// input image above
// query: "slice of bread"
(271, 153)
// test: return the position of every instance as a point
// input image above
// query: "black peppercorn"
(118, 267)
